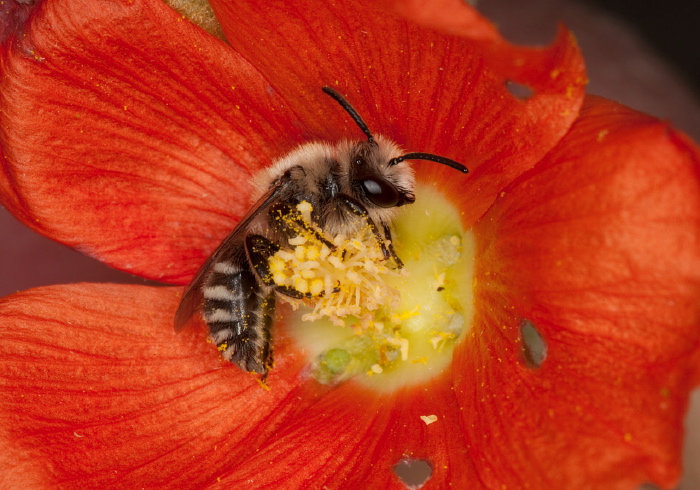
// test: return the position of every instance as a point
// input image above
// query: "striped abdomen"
(238, 311)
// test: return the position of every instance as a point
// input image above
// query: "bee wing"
(192, 297)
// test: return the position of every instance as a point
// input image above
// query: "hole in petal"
(518, 90)
(13, 16)
(534, 345)
(200, 13)
(413, 472)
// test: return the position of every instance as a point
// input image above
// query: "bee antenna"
(430, 157)
(350, 110)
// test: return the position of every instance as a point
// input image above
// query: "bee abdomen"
(238, 311)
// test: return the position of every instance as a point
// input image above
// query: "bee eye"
(380, 192)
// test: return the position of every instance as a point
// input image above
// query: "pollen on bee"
(348, 280)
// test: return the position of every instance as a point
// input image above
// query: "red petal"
(353, 437)
(150, 189)
(695, 363)
(132, 134)
(455, 17)
(427, 90)
(599, 247)
(97, 391)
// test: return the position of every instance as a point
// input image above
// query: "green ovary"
(410, 340)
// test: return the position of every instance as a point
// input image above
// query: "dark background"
(672, 27)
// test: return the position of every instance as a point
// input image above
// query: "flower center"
(339, 276)
(362, 317)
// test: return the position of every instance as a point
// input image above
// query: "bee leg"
(389, 237)
(259, 250)
(238, 311)
(266, 356)
(289, 218)
(359, 210)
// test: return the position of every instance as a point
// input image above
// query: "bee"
(350, 185)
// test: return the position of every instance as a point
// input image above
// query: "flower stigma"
(365, 318)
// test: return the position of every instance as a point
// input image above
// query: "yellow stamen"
(394, 339)
(342, 282)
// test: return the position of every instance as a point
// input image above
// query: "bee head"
(376, 171)
(375, 181)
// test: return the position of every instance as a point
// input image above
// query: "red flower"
(132, 135)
